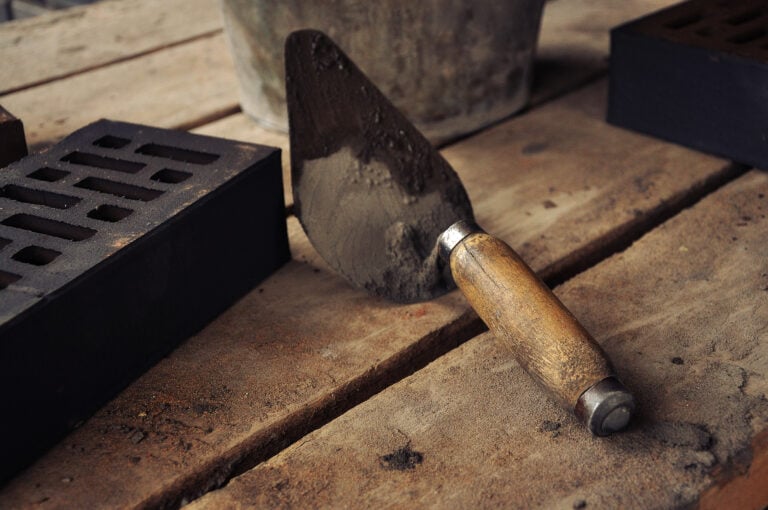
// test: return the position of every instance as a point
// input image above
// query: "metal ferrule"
(606, 407)
(453, 235)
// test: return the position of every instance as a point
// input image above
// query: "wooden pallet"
(293, 356)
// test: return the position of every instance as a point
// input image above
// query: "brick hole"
(48, 174)
(7, 278)
(94, 160)
(49, 227)
(749, 36)
(119, 189)
(37, 197)
(4, 242)
(110, 213)
(36, 255)
(744, 17)
(169, 176)
(177, 154)
(111, 142)
(684, 21)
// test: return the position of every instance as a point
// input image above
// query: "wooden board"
(193, 81)
(304, 347)
(561, 186)
(682, 313)
(180, 87)
(574, 36)
(63, 43)
(573, 49)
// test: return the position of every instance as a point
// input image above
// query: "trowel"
(385, 210)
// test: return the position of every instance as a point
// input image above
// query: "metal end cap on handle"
(453, 235)
(606, 407)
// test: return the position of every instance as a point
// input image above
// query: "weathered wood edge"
(64, 43)
(284, 332)
(180, 87)
(680, 310)
(738, 485)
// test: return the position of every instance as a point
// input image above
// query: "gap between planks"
(295, 426)
(239, 456)
(72, 41)
(116, 61)
(400, 369)
(270, 442)
(705, 305)
(430, 348)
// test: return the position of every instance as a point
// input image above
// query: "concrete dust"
(371, 230)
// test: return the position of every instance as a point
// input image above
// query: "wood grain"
(305, 347)
(740, 485)
(302, 348)
(177, 88)
(13, 145)
(62, 43)
(560, 175)
(683, 311)
(574, 40)
(543, 336)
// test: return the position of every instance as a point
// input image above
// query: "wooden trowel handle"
(545, 338)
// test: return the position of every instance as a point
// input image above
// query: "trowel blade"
(370, 191)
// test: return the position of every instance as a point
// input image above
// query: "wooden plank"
(587, 23)
(304, 347)
(180, 87)
(560, 183)
(683, 312)
(573, 49)
(147, 89)
(745, 488)
(63, 43)
(574, 39)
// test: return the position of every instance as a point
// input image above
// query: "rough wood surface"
(559, 183)
(744, 487)
(180, 87)
(683, 312)
(62, 43)
(305, 346)
(574, 38)
(573, 49)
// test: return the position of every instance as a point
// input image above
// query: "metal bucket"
(451, 67)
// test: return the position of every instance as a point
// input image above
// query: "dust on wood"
(402, 459)
(63, 43)
(283, 350)
(171, 89)
(647, 305)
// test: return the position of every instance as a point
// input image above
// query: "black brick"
(696, 74)
(13, 145)
(96, 286)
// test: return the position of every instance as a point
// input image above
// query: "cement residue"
(367, 227)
